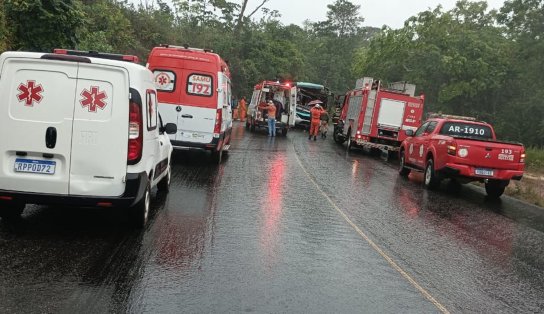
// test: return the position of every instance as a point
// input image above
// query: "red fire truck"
(374, 117)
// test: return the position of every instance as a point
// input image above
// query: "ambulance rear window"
(165, 81)
(200, 85)
(464, 129)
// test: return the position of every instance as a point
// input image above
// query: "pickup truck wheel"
(495, 188)
(164, 184)
(431, 180)
(140, 212)
(11, 211)
(403, 171)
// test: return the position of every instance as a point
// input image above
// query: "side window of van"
(200, 85)
(165, 81)
(151, 101)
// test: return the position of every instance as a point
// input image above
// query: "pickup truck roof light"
(450, 116)
(96, 54)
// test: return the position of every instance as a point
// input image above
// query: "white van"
(194, 90)
(80, 128)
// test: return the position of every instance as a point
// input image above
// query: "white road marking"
(391, 262)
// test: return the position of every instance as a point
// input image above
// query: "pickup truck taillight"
(522, 157)
(135, 136)
(218, 122)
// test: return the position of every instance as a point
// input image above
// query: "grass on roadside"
(535, 160)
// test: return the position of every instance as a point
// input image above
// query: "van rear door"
(36, 114)
(100, 132)
(196, 120)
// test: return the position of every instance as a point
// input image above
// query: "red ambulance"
(194, 89)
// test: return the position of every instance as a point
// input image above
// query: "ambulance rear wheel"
(11, 211)
(217, 156)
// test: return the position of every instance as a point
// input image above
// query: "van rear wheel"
(11, 211)
(139, 213)
(164, 184)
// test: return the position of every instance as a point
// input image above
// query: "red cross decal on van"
(93, 98)
(30, 93)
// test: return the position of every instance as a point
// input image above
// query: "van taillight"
(135, 137)
(218, 122)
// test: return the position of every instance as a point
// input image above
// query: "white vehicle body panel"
(95, 170)
(23, 124)
(391, 113)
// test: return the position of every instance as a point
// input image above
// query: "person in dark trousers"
(324, 123)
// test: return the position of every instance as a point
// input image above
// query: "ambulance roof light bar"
(186, 47)
(433, 115)
(96, 54)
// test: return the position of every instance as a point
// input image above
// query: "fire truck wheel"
(349, 144)
(337, 138)
(495, 188)
(431, 180)
(403, 171)
(11, 211)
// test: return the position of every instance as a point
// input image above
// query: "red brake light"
(135, 137)
(131, 58)
(60, 51)
(218, 122)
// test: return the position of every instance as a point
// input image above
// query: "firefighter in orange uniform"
(315, 115)
(242, 109)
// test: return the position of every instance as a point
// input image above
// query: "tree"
(343, 18)
(41, 25)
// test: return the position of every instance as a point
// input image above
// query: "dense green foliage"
(468, 60)
(471, 61)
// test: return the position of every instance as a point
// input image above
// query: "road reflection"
(271, 208)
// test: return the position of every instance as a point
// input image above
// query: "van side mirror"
(170, 128)
(409, 133)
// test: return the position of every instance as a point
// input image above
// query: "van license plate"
(484, 172)
(35, 166)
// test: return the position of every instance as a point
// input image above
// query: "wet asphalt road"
(283, 225)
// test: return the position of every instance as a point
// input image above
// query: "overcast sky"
(376, 12)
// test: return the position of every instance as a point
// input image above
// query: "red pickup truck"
(463, 149)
